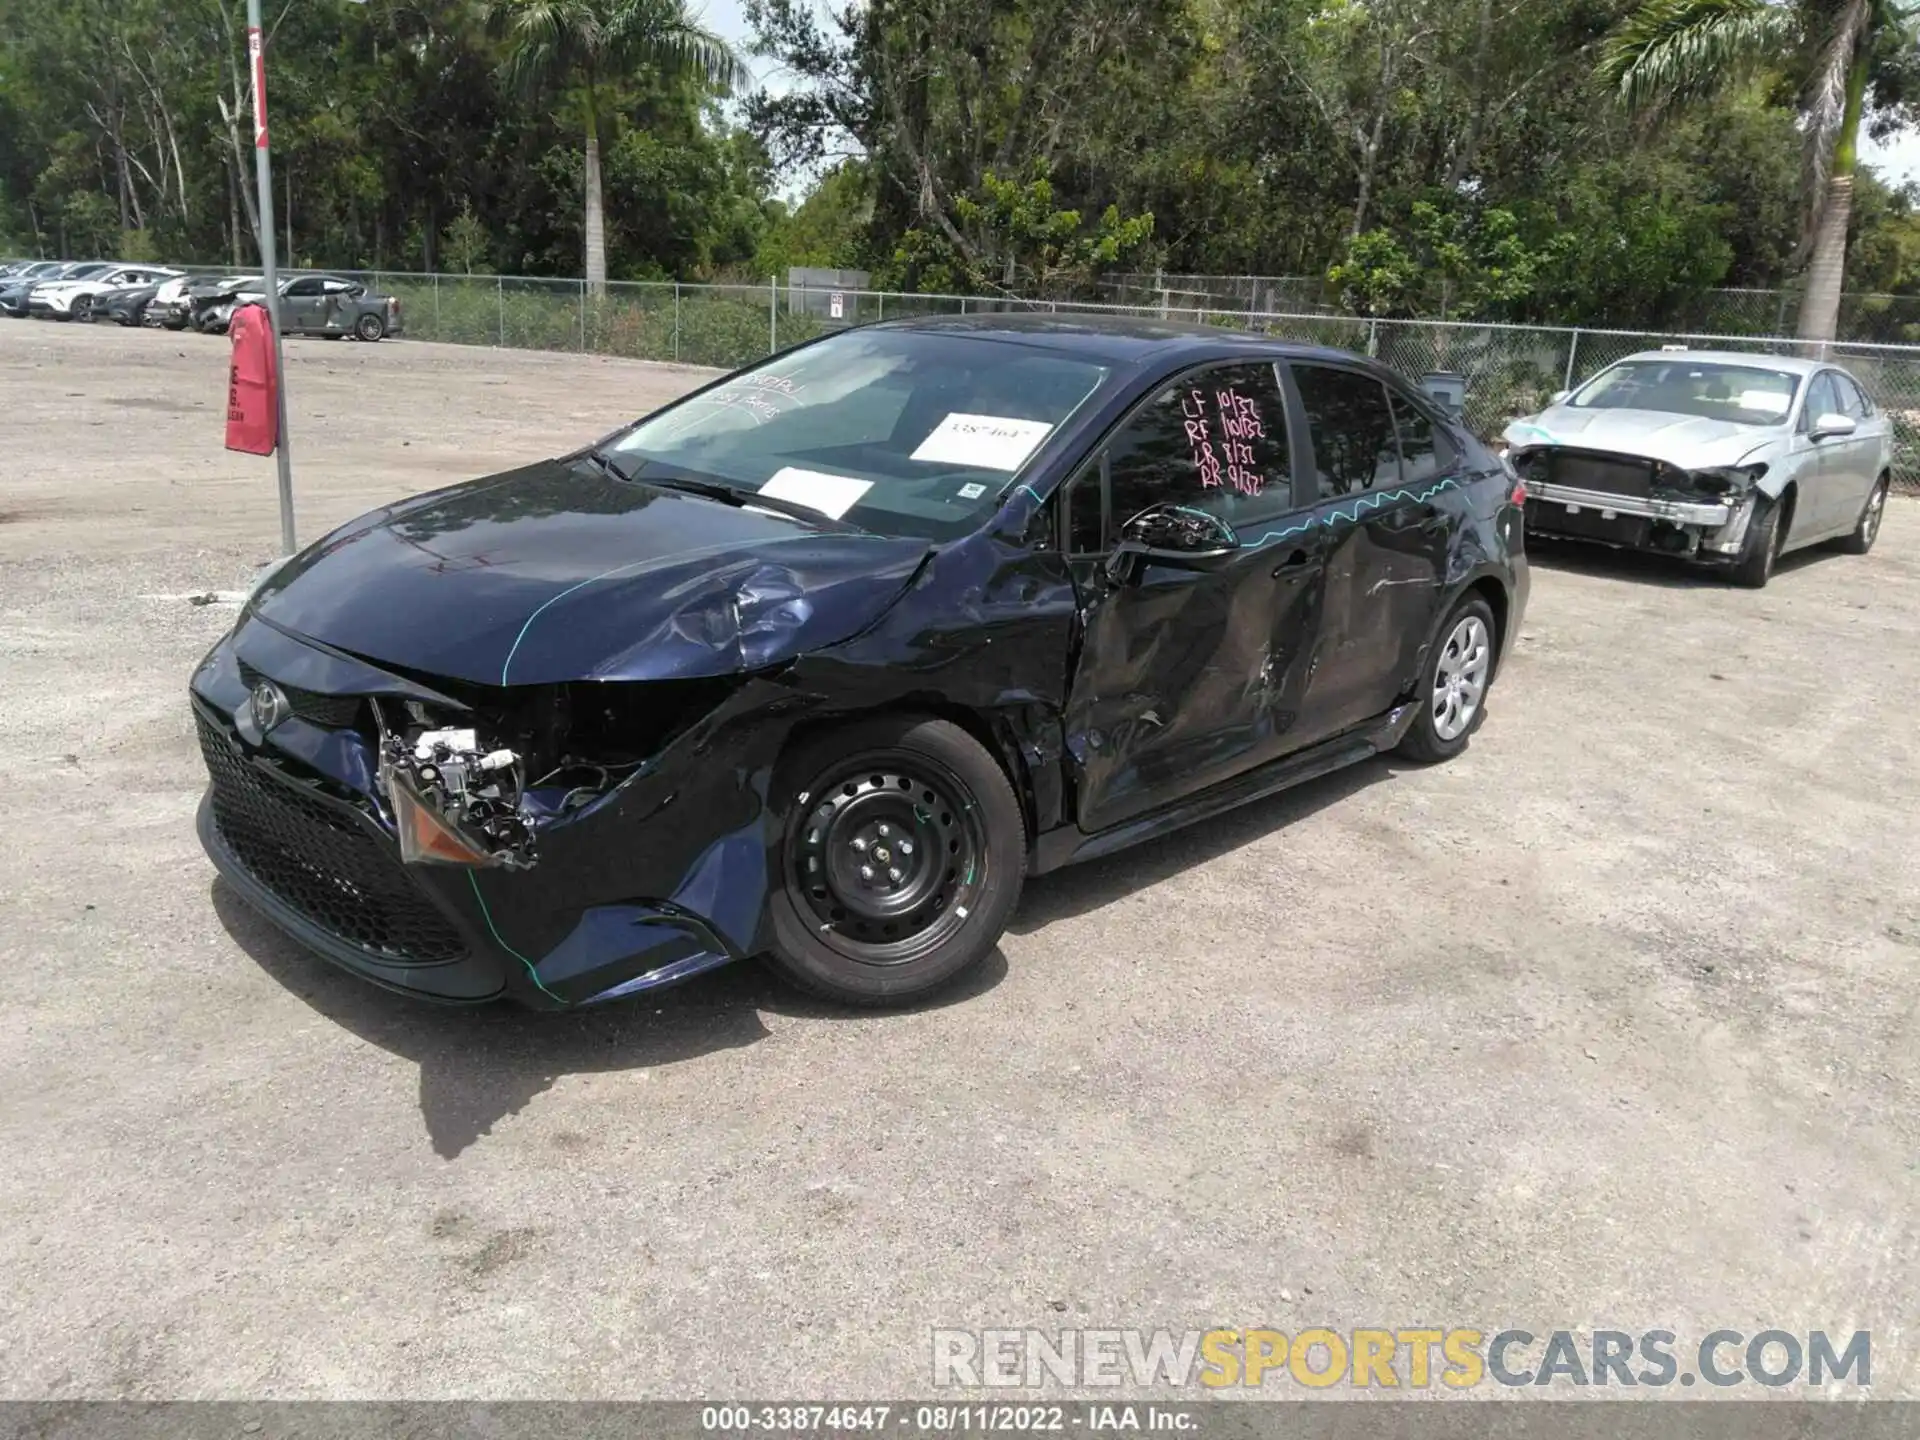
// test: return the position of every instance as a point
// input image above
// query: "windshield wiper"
(744, 499)
(725, 494)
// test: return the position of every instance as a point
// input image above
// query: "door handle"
(1296, 562)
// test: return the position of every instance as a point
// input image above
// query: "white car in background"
(74, 299)
(1720, 457)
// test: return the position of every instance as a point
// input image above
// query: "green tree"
(588, 48)
(1675, 52)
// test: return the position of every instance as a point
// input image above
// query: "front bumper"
(41, 305)
(293, 820)
(1699, 529)
(1709, 514)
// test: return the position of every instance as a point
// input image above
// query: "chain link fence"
(1865, 317)
(1510, 370)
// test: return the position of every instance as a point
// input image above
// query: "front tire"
(1868, 528)
(903, 858)
(82, 309)
(1453, 689)
(1760, 551)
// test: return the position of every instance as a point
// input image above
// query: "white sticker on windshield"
(972, 492)
(831, 495)
(1767, 402)
(983, 442)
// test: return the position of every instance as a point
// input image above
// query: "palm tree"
(589, 47)
(1671, 52)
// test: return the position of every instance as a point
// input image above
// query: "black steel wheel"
(903, 855)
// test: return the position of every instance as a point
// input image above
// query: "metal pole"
(500, 293)
(436, 304)
(676, 322)
(270, 269)
(583, 317)
(1573, 349)
(773, 313)
(880, 306)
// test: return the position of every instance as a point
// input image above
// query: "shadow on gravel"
(482, 1063)
(1094, 883)
(1644, 568)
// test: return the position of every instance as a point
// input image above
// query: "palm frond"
(659, 35)
(1671, 52)
(543, 38)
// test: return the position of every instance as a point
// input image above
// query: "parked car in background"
(167, 308)
(822, 660)
(14, 292)
(73, 297)
(128, 304)
(325, 305)
(1720, 457)
(207, 303)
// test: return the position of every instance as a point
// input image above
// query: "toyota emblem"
(269, 706)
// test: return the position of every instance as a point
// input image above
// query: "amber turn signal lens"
(425, 838)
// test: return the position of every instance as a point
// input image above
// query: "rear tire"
(1760, 551)
(903, 859)
(1453, 688)
(1867, 530)
(370, 327)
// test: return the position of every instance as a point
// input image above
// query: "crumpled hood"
(555, 573)
(1689, 442)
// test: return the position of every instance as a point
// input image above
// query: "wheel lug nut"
(894, 876)
(885, 830)
(866, 872)
(906, 847)
(860, 846)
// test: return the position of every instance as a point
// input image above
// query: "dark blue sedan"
(822, 661)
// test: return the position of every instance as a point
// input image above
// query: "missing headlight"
(456, 801)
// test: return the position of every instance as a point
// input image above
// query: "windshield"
(85, 272)
(1743, 394)
(903, 432)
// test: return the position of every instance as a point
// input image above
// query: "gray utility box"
(1447, 390)
(829, 295)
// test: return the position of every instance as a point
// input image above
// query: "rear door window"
(1425, 450)
(1355, 448)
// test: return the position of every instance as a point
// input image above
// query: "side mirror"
(1173, 535)
(1834, 425)
(1560, 397)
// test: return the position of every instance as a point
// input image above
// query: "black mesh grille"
(322, 862)
(333, 712)
(1549, 517)
(1610, 474)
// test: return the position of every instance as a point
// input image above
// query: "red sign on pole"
(257, 53)
(252, 384)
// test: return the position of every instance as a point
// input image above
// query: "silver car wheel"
(1460, 678)
(1876, 507)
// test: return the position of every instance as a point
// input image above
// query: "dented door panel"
(1185, 679)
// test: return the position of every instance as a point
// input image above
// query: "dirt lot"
(1612, 1022)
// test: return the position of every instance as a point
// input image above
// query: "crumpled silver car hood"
(1689, 442)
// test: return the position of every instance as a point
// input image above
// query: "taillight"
(393, 305)
(1519, 495)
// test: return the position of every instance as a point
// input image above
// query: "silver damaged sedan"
(1720, 457)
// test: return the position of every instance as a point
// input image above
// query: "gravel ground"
(1609, 1023)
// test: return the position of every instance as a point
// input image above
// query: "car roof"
(1786, 364)
(1115, 338)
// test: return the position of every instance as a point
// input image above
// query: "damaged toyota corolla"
(821, 661)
